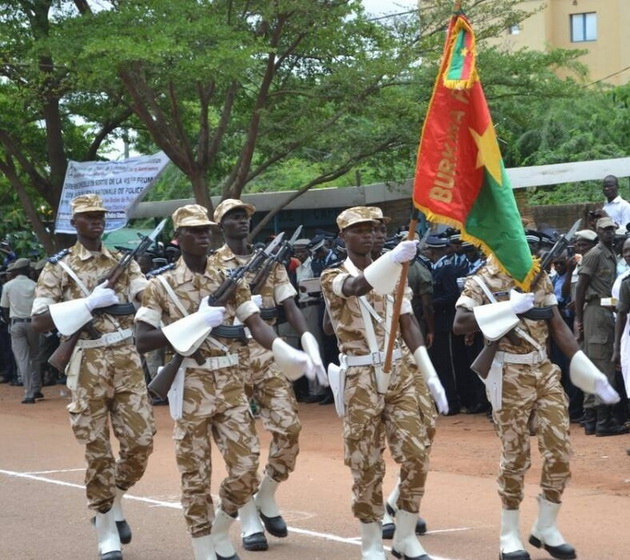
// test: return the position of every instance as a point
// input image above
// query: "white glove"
(606, 392)
(585, 375)
(310, 346)
(421, 357)
(257, 300)
(293, 363)
(213, 316)
(521, 302)
(404, 251)
(101, 296)
(438, 394)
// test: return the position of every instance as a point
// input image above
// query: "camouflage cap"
(41, 263)
(230, 204)
(587, 234)
(19, 264)
(355, 215)
(606, 222)
(191, 215)
(87, 203)
(377, 214)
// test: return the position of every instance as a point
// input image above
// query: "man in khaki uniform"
(105, 375)
(426, 407)
(208, 398)
(17, 302)
(595, 323)
(521, 380)
(378, 404)
(264, 383)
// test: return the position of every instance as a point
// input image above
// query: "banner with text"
(121, 185)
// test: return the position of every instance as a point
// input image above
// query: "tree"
(231, 90)
(44, 121)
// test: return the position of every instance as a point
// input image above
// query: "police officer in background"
(16, 302)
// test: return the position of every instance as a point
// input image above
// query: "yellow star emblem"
(488, 155)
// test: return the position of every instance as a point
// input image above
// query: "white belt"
(373, 359)
(215, 362)
(106, 339)
(532, 358)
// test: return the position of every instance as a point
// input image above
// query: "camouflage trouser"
(278, 408)
(111, 388)
(599, 337)
(428, 413)
(369, 417)
(527, 388)
(234, 433)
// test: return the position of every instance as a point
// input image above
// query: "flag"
(460, 179)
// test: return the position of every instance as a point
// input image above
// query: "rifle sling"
(268, 313)
(118, 309)
(538, 314)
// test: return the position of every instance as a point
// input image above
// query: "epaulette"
(425, 262)
(334, 264)
(161, 270)
(58, 256)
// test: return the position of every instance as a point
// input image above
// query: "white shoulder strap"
(172, 295)
(523, 334)
(73, 275)
(178, 303)
(485, 289)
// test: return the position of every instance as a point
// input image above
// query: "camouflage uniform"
(264, 383)
(527, 387)
(111, 384)
(214, 402)
(371, 416)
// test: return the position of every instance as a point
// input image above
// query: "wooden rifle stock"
(161, 383)
(483, 362)
(61, 356)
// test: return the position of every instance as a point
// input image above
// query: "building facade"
(597, 26)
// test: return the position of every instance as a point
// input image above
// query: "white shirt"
(619, 210)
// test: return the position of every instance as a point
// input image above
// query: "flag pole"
(400, 290)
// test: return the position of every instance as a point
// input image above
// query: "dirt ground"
(43, 513)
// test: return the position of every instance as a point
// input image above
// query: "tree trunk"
(200, 189)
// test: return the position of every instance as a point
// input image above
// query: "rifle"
(483, 362)
(258, 281)
(160, 385)
(61, 356)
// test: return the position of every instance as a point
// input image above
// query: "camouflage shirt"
(501, 283)
(276, 289)
(55, 285)
(345, 313)
(191, 287)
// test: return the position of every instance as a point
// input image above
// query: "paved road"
(43, 514)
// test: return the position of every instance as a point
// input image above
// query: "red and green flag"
(460, 179)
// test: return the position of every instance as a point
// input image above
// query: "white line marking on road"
(57, 471)
(173, 505)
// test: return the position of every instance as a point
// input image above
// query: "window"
(514, 29)
(583, 27)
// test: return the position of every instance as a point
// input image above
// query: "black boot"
(607, 425)
(590, 420)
